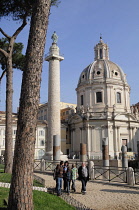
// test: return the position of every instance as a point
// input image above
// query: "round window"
(98, 72)
(116, 73)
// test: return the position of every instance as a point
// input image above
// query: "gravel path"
(100, 196)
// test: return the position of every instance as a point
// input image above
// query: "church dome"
(102, 85)
(102, 69)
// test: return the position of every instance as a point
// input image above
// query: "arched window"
(81, 100)
(98, 97)
(41, 132)
(118, 97)
(100, 51)
(41, 142)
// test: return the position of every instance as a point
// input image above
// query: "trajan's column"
(54, 122)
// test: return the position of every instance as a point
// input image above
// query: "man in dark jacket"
(59, 177)
(83, 176)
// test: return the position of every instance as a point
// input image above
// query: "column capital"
(115, 127)
(54, 57)
(91, 126)
(129, 127)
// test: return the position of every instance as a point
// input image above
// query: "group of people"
(66, 174)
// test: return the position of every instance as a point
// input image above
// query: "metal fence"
(110, 174)
(45, 165)
(1, 159)
(37, 165)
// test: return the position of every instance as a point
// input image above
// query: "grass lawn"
(5, 177)
(42, 200)
(46, 201)
(3, 194)
(1, 166)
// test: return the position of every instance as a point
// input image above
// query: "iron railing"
(110, 174)
(1, 159)
(45, 165)
(37, 165)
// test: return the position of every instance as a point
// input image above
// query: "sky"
(78, 24)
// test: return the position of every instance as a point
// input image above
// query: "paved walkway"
(101, 196)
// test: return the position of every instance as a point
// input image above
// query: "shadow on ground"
(49, 173)
(121, 191)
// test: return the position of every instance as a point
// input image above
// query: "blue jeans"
(68, 186)
(73, 184)
(59, 185)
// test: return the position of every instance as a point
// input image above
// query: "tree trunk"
(8, 158)
(9, 97)
(20, 196)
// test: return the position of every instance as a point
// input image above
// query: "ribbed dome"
(102, 70)
(102, 85)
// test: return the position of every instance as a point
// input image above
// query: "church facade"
(103, 108)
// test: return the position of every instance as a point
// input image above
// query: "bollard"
(56, 147)
(83, 156)
(124, 157)
(91, 170)
(130, 176)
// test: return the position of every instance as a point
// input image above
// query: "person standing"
(55, 176)
(59, 177)
(83, 176)
(65, 167)
(68, 179)
(74, 173)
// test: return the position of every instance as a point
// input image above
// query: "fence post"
(91, 170)
(130, 176)
(42, 165)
